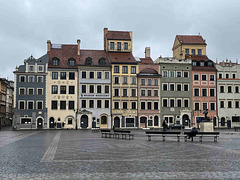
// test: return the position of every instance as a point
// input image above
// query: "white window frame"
(202, 92)
(32, 77)
(176, 89)
(38, 89)
(195, 106)
(198, 77)
(206, 77)
(32, 102)
(174, 104)
(210, 92)
(170, 86)
(202, 105)
(214, 106)
(37, 104)
(41, 77)
(163, 73)
(184, 102)
(30, 67)
(29, 89)
(195, 94)
(167, 102)
(42, 68)
(165, 84)
(19, 104)
(20, 91)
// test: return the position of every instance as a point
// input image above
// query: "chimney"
(147, 52)
(78, 44)
(48, 45)
(105, 31)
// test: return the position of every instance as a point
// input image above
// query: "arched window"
(102, 62)
(55, 61)
(88, 61)
(155, 120)
(103, 120)
(72, 62)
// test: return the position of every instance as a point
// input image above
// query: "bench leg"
(178, 138)
(149, 138)
(185, 137)
(163, 138)
(200, 138)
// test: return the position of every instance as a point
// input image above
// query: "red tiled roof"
(95, 55)
(118, 35)
(197, 57)
(224, 63)
(146, 60)
(63, 54)
(148, 71)
(122, 57)
(205, 68)
(191, 39)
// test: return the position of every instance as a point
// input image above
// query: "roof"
(146, 60)
(204, 68)
(148, 71)
(197, 57)
(63, 54)
(95, 55)
(191, 39)
(118, 35)
(124, 57)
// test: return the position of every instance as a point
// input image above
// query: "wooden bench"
(236, 128)
(149, 134)
(95, 130)
(107, 133)
(123, 133)
(215, 135)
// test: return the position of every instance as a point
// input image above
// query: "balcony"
(94, 95)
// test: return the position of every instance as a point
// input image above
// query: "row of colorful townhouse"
(74, 88)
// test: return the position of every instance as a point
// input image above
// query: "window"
(99, 89)
(70, 120)
(212, 92)
(91, 103)
(25, 120)
(21, 105)
(186, 104)
(155, 93)
(229, 89)
(91, 89)
(236, 89)
(111, 45)
(171, 74)
(134, 105)
(155, 82)
(99, 104)
(185, 74)
(124, 92)
(88, 61)
(221, 89)
(220, 76)
(204, 92)
(39, 79)
(212, 78)
(221, 104)
(71, 62)
(204, 77)
(22, 79)
(62, 105)
(30, 104)
(142, 81)
(149, 82)
(30, 79)
(40, 68)
(124, 69)
(133, 80)
(30, 91)
(134, 94)
(116, 105)
(234, 76)
(63, 75)
(199, 52)
(106, 89)
(133, 69)
(84, 74)
(165, 87)
(185, 87)
(149, 92)
(196, 77)
(84, 103)
(125, 46)
(124, 105)
(179, 103)
(54, 89)
(179, 74)
(229, 104)
(196, 92)
(55, 61)
(116, 69)
(236, 104)
(171, 102)
(155, 105)
(91, 75)
(118, 45)
(124, 80)
(194, 63)
(71, 76)
(39, 105)
(84, 89)
(164, 73)
(54, 75)
(212, 106)
(201, 63)
(62, 89)
(227, 76)
(116, 80)
(54, 105)
(142, 92)
(106, 103)
(171, 87)
(99, 75)
(103, 120)
(21, 91)
(197, 107)
(179, 87)
(149, 105)
(142, 105)
(31, 68)
(204, 106)
(106, 75)
(186, 51)
(116, 92)
(71, 90)
(164, 102)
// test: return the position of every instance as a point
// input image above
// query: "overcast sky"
(26, 25)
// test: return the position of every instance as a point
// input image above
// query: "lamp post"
(76, 111)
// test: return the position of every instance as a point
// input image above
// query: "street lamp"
(76, 111)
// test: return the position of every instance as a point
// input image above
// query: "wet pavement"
(81, 154)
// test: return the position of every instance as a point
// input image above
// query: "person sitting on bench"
(192, 133)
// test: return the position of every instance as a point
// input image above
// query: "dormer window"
(55, 62)
(88, 61)
(31, 68)
(72, 62)
(102, 62)
(194, 63)
(112, 45)
(209, 63)
(119, 46)
(201, 63)
(125, 46)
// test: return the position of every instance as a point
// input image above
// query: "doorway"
(84, 121)
(39, 123)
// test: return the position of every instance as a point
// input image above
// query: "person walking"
(164, 125)
(192, 133)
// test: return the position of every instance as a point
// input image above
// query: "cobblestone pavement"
(76, 154)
